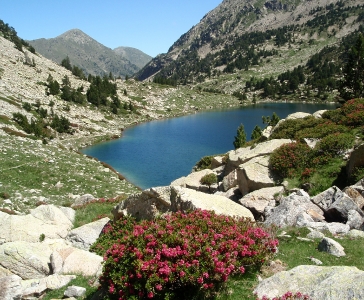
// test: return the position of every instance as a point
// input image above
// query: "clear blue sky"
(150, 26)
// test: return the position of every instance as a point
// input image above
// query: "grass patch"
(96, 210)
(295, 252)
(36, 169)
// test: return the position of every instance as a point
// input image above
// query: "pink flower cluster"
(198, 251)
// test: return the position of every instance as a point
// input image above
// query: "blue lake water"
(158, 152)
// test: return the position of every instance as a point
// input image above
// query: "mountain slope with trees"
(265, 48)
(86, 53)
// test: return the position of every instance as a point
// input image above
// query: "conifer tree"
(240, 138)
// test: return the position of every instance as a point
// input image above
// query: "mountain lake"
(156, 153)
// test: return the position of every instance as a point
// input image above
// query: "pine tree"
(240, 138)
(257, 133)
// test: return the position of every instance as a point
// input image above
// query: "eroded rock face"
(242, 155)
(321, 283)
(158, 201)
(254, 175)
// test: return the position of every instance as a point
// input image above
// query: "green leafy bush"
(291, 159)
(179, 256)
(204, 163)
(289, 128)
(335, 144)
(209, 179)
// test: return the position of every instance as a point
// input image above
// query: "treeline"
(10, 34)
(165, 81)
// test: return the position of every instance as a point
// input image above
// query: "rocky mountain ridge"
(212, 53)
(91, 56)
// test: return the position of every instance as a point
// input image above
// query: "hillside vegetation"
(265, 49)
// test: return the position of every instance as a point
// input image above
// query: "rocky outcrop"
(292, 210)
(36, 257)
(319, 283)
(254, 175)
(336, 204)
(163, 200)
(83, 237)
(242, 155)
(47, 220)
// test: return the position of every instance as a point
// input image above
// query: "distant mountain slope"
(255, 38)
(135, 56)
(86, 53)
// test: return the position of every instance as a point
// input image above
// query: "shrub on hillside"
(209, 179)
(179, 256)
(289, 128)
(204, 163)
(335, 144)
(291, 159)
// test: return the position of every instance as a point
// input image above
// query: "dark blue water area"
(158, 152)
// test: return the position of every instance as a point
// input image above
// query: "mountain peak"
(76, 35)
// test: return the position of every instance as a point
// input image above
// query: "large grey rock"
(83, 237)
(35, 287)
(332, 247)
(290, 207)
(320, 283)
(336, 204)
(74, 291)
(78, 261)
(334, 228)
(27, 260)
(229, 181)
(356, 160)
(217, 161)
(254, 175)
(354, 233)
(355, 220)
(10, 288)
(45, 219)
(258, 200)
(161, 200)
(82, 200)
(192, 181)
(233, 194)
(148, 204)
(354, 192)
(298, 115)
(318, 114)
(242, 155)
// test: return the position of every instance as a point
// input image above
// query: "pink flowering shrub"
(291, 159)
(179, 256)
(288, 296)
